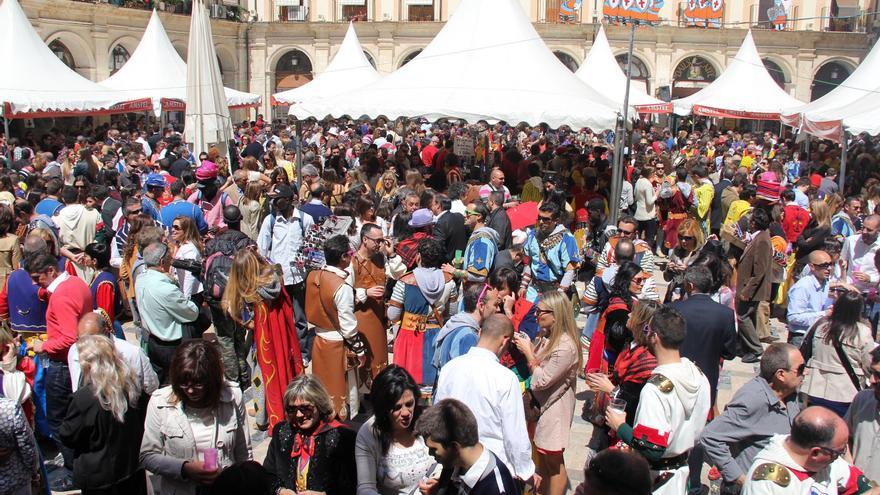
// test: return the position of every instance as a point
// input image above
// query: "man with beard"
(553, 254)
(209, 197)
(372, 265)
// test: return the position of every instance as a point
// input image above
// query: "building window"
(420, 10)
(354, 10)
(292, 10)
(567, 60)
(62, 53)
(639, 70)
(844, 16)
(775, 72)
(118, 57)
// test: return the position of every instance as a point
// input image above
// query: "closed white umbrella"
(207, 114)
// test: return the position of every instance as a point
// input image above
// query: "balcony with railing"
(228, 10)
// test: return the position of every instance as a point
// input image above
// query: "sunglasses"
(305, 409)
(687, 238)
(541, 312)
(800, 369)
(134, 212)
(176, 227)
(823, 266)
(627, 232)
(546, 219)
(834, 454)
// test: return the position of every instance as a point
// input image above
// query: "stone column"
(385, 50)
(101, 70)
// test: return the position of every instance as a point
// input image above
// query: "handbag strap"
(847, 365)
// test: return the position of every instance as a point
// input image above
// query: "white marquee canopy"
(487, 63)
(601, 71)
(36, 83)
(745, 90)
(348, 70)
(157, 72)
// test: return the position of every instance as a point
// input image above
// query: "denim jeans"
(58, 394)
(297, 293)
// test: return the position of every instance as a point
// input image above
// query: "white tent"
(207, 112)
(156, 71)
(348, 70)
(601, 71)
(860, 115)
(35, 83)
(744, 90)
(487, 63)
(862, 82)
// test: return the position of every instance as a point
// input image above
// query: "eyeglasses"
(823, 266)
(541, 312)
(377, 240)
(546, 219)
(305, 410)
(800, 370)
(834, 454)
(192, 386)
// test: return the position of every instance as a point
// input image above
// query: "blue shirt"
(48, 207)
(801, 199)
(807, 302)
(180, 207)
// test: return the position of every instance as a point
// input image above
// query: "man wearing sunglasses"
(808, 298)
(762, 408)
(553, 253)
(627, 228)
(809, 460)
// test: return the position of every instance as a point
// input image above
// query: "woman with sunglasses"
(197, 426)
(188, 250)
(690, 241)
(553, 363)
(255, 299)
(391, 458)
(310, 452)
(828, 382)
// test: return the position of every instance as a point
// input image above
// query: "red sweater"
(71, 299)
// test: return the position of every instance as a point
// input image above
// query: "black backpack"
(217, 268)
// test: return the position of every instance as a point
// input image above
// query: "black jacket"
(108, 211)
(711, 335)
(451, 233)
(332, 468)
(106, 451)
(499, 221)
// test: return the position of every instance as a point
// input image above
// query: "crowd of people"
(398, 317)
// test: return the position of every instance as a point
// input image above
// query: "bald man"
(96, 323)
(808, 461)
(808, 299)
(493, 393)
(858, 254)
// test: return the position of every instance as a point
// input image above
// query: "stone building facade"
(268, 55)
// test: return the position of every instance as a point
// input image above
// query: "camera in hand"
(192, 266)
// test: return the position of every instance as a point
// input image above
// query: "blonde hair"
(565, 325)
(47, 236)
(414, 180)
(834, 201)
(380, 186)
(6, 336)
(691, 227)
(821, 213)
(308, 388)
(247, 274)
(112, 380)
(641, 315)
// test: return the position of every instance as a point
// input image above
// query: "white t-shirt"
(401, 469)
(189, 284)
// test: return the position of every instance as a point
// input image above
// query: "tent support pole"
(617, 176)
(841, 176)
(6, 136)
(299, 165)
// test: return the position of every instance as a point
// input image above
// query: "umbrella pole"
(841, 176)
(617, 175)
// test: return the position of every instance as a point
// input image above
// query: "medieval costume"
(553, 260)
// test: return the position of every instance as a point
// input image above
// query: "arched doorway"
(775, 72)
(409, 58)
(567, 60)
(827, 78)
(639, 70)
(691, 75)
(370, 59)
(118, 57)
(62, 53)
(292, 71)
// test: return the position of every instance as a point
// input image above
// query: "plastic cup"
(617, 405)
(209, 456)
